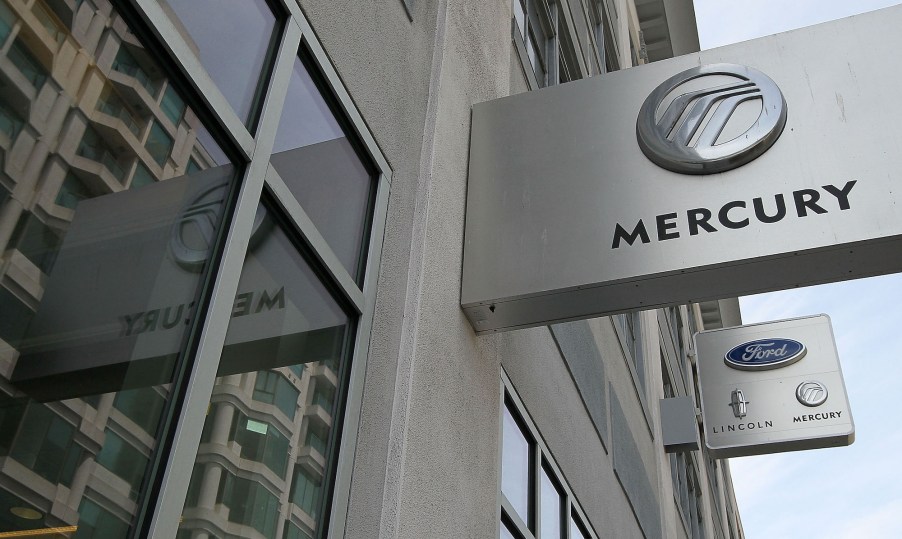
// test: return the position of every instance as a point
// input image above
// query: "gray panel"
(577, 344)
(632, 473)
(544, 205)
(678, 425)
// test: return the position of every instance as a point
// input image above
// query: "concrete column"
(209, 486)
(80, 481)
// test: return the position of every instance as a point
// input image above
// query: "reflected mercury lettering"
(737, 214)
(170, 317)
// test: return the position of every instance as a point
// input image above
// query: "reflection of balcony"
(138, 74)
(49, 22)
(105, 158)
(27, 65)
(322, 372)
(121, 114)
(64, 9)
(41, 31)
(134, 94)
(318, 416)
(10, 123)
(312, 461)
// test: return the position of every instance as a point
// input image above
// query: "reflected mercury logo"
(682, 122)
(194, 233)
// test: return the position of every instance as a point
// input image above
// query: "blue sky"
(849, 492)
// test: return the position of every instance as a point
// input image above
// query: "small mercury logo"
(811, 393)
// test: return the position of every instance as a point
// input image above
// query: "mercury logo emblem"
(194, 232)
(682, 124)
(811, 393)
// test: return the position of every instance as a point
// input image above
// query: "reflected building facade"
(230, 241)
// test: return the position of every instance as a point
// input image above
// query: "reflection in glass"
(551, 508)
(271, 421)
(318, 162)
(234, 41)
(95, 294)
(515, 465)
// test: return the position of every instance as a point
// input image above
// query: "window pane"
(234, 41)
(506, 533)
(515, 466)
(551, 509)
(576, 529)
(318, 162)
(98, 282)
(283, 316)
(520, 16)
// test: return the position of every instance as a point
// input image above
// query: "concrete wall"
(428, 453)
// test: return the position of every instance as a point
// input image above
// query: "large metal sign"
(772, 387)
(759, 166)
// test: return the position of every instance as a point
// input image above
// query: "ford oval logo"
(764, 354)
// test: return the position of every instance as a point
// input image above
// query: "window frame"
(540, 458)
(556, 27)
(259, 180)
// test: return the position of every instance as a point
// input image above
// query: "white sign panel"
(764, 165)
(772, 387)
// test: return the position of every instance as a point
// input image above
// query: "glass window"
(235, 42)
(98, 282)
(141, 177)
(294, 532)
(28, 65)
(283, 315)
(305, 491)
(318, 161)
(576, 528)
(7, 19)
(506, 533)
(552, 508)
(142, 405)
(127, 64)
(112, 105)
(10, 122)
(98, 522)
(547, 497)
(260, 441)
(14, 317)
(173, 105)
(159, 144)
(249, 503)
(72, 191)
(272, 388)
(516, 466)
(44, 443)
(520, 16)
(37, 241)
(95, 148)
(124, 460)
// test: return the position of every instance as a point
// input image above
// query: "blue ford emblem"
(764, 354)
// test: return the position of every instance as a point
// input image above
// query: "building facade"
(230, 248)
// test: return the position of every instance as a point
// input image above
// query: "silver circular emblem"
(194, 232)
(811, 393)
(681, 123)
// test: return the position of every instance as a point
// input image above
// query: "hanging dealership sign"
(759, 166)
(772, 387)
